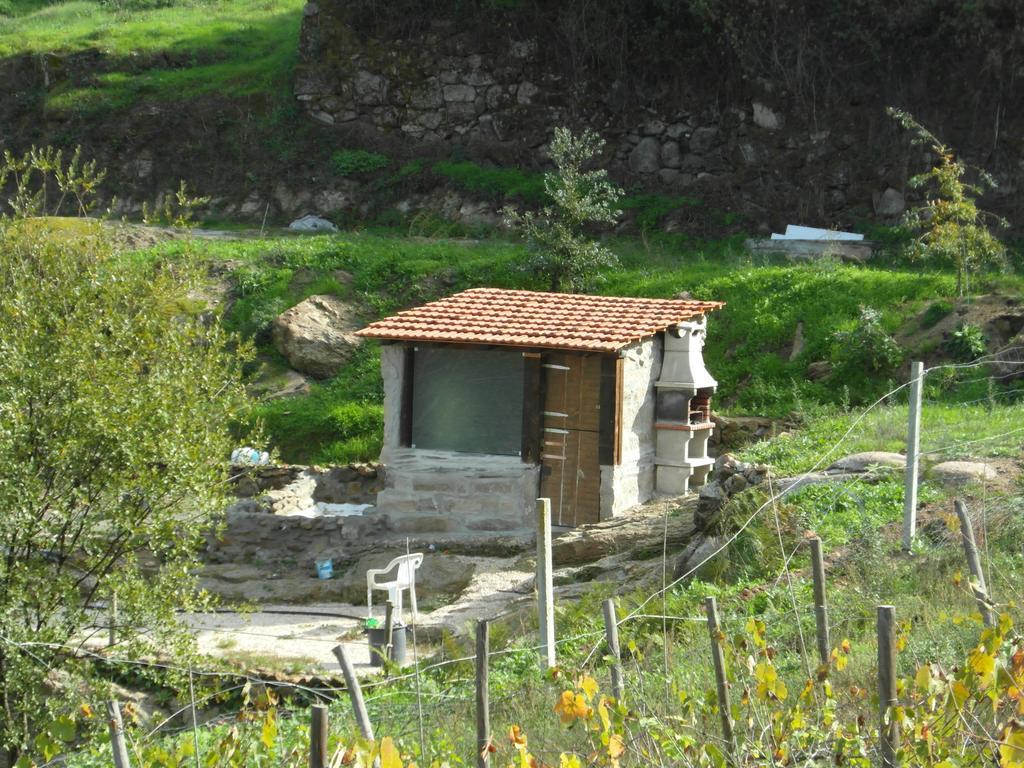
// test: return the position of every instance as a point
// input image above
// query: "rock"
(798, 342)
(646, 156)
(958, 473)
(459, 93)
(1008, 363)
(890, 203)
(312, 223)
(526, 92)
(703, 139)
(634, 532)
(701, 559)
(288, 384)
(766, 117)
(671, 156)
(712, 491)
(861, 462)
(369, 88)
(317, 336)
(735, 484)
(438, 576)
(818, 370)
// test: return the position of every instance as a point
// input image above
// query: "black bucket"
(377, 642)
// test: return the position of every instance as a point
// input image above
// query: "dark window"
(468, 400)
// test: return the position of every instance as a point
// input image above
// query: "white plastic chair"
(405, 578)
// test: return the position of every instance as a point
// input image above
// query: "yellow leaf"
(960, 693)
(389, 757)
(1011, 750)
(983, 665)
(616, 746)
(923, 678)
(841, 662)
(268, 734)
(589, 686)
(568, 761)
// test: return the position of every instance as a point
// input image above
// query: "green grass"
(949, 430)
(229, 48)
(494, 181)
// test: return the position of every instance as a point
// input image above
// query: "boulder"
(861, 462)
(701, 559)
(637, 533)
(958, 473)
(317, 336)
(312, 223)
(766, 117)
(890, 203)
(646, 156)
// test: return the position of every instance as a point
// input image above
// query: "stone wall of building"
(444, 492)
(632, 481)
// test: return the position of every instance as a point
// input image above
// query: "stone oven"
(495, 397)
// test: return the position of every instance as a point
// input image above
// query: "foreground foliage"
(117, 400)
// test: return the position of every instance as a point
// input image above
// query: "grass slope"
(231, 48)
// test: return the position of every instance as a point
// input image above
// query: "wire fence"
(401, 711)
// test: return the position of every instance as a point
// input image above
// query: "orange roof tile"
(535, 319)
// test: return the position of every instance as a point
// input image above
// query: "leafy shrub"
(6, 8)
(967, 343)
(349, 162)
(935, 312)
(494, 181)
(562, 251)
(953, 230)
(866, 346)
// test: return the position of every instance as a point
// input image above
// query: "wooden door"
(570, 466)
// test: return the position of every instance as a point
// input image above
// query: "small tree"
(561, 250)
(952, 229)
(117, 400)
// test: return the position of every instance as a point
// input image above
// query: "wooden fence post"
(913, 447)
(611, 633)
(116, 726)
(355, 693)
(820, 602)
(718, 657)
(483, 711)
(888, 728)
(545, 585)
(318, 736)
(978, 586)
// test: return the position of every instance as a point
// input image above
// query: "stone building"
(495, 397)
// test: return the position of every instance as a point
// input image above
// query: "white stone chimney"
(683, 410)
(683, 364)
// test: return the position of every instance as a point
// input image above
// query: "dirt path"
(301, 641)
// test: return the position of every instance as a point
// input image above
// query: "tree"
(952, 229)
(116, 400)
(561, 251)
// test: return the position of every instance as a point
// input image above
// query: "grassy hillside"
(749, 344)
(163, 51)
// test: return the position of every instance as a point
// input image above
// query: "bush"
(866, 347)
(936, 311)
(967, 343)
(561, 250)
(349, 162)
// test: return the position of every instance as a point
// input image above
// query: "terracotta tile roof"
(535, 319)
